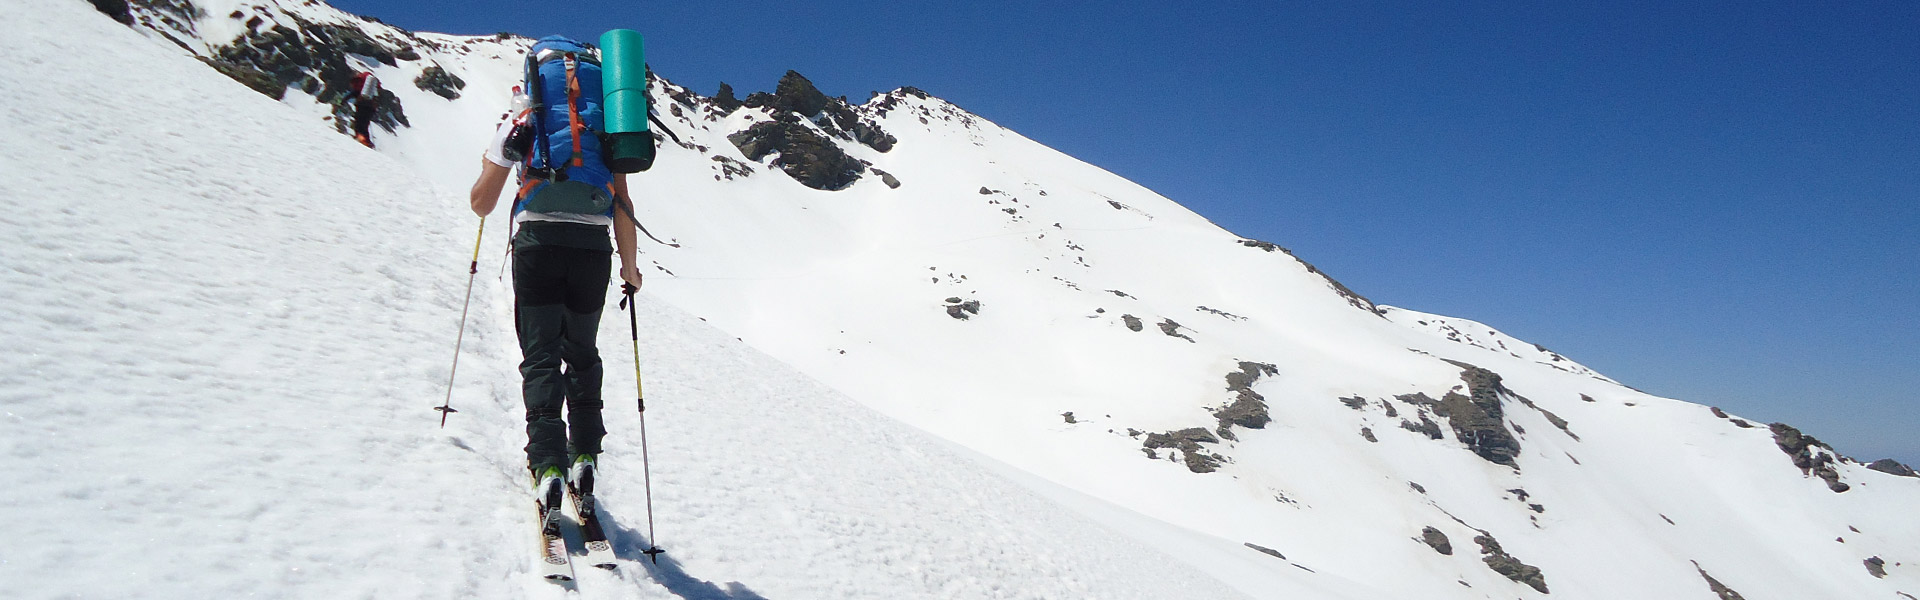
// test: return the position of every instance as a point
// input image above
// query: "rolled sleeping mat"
(623, 64)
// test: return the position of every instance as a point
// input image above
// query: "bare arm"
(486, 190)
(623, 231)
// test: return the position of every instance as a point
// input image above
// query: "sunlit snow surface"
(226, 327)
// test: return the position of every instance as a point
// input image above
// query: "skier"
(560, 275)
(364, 92)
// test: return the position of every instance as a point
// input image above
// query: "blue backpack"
(564, 169)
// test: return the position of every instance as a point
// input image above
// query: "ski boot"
(580, 477)
(549, 490)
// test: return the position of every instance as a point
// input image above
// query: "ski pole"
(473, 268)
(633, 324)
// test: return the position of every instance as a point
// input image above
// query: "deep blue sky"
(1713, 201)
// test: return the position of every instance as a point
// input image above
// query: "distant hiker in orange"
(364, 92)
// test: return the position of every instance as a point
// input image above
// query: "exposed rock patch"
(1508, 566)
(1248, 408)
(796, 95)
(1477, 418)
(804, 155)
(116, 9)
(724, 101)
(1267, 551)
(1187, 441)
(962, 309)
(1719, 589)
(1132, 322)
(311, 57)
(1367, 434)
(439, 82)
(1876, 567)
(1426, 425)
(1813, 457)
(1172, 329)
(1892, 467)
(1438, 541)
(727, 168)
(1221, 313)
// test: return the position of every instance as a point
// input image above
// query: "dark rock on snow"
(1187, 441)
(724, 99)
(1508, 566)
(1813, 457)
(1437, 540)
(1892, 467)
(1249, 408)
(1719, 589)
(438, 81)
(808, 158)
(1172, 329)
(1132, 322)
(962, 310)
(1876, 567)
(1267, 551)
(116, 9)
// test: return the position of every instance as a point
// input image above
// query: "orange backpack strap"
(573, 111)
(528, 187)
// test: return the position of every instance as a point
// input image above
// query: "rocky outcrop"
(805, 125)
(724, 99)
(1813, 457)
(796, 96)
(1719, 589)
(116, 9)
(1187, 441)
(1892, 467)
(1265, 550)
(1248, 408)
(962, 309)
(804, 155)
(272, 58)
(1877, 567)
(1477, 418)
(1132, 322)
(1426, 426)
(439, 82)
(1438, 541)
(1172, 329)
(1508, 566)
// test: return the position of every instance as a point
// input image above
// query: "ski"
(580, 489)
(554, 563)
(599, 550)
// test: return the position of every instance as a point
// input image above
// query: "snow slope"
(1096, 297)
(220, 363)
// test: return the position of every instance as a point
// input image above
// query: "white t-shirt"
(496, 154)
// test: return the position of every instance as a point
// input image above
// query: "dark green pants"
(559, 291)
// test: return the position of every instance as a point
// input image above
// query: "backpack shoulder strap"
(573, 109)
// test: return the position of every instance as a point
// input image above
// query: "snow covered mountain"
(230, 322)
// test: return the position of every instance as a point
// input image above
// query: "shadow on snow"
(629, 545)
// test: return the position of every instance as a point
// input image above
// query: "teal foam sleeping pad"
(623, 64)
